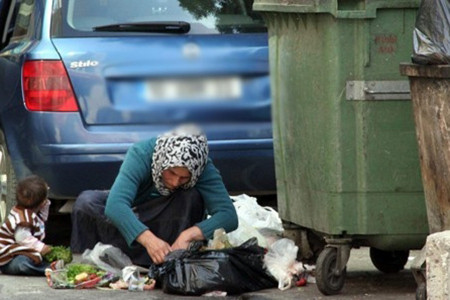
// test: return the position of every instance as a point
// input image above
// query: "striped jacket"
(8, 245)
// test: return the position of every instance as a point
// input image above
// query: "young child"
(21, 235)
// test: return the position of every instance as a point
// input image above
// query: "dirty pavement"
(363, 282)
(291, 279)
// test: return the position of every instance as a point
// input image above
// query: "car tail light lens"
(47, 87)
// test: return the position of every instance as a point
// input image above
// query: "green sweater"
(134, 185)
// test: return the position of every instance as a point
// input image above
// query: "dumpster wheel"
(389, 261)
(329, 279)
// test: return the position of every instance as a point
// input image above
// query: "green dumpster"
(346, 158)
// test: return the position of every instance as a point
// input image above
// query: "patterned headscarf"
(185, 146)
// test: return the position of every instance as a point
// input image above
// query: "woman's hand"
(156, 248)
(191, 234)
(182, 242)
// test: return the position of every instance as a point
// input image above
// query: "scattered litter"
(280, 261)
(100, 268)
(135, 282)
(215, 294)
(301, 282)
(107, 258)
(78, 276)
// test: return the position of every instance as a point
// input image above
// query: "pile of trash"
(253, 257)
(265, 224)
(105, 266)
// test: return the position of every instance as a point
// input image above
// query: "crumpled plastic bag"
(259, 216)
(281, 262)
(131, 276)
(254, 221)
(106, 257)
(432, 33)
(234, 270)
(244, 232)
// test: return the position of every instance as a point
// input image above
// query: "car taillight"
(47, 87)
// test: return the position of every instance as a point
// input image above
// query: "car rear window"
(79, 17)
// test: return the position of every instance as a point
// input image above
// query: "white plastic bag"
(106, 257)
(255, 221)
(258, 216)
(244, 232)
(130, 275)
(281, 262)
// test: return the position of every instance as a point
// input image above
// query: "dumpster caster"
(329, 278)
(389, 261)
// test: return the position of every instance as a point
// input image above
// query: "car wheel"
(7, 181)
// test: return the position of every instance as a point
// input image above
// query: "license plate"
(194, 89)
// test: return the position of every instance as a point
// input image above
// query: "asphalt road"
(363, 281)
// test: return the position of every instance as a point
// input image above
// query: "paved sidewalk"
(363, 282)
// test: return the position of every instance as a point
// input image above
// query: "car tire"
(7, 181)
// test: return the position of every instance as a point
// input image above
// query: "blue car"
(82, 80)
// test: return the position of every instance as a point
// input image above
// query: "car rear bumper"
(246, 166)
(73, 158)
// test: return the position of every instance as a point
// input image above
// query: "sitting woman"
(158, 202)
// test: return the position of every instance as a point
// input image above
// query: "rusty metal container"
(430, 93)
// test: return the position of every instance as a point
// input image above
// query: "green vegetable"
(77, 268)
(59, 252)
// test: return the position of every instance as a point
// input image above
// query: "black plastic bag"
(432, 33)
(235, 271)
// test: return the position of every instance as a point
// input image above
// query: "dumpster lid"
(431, 71)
